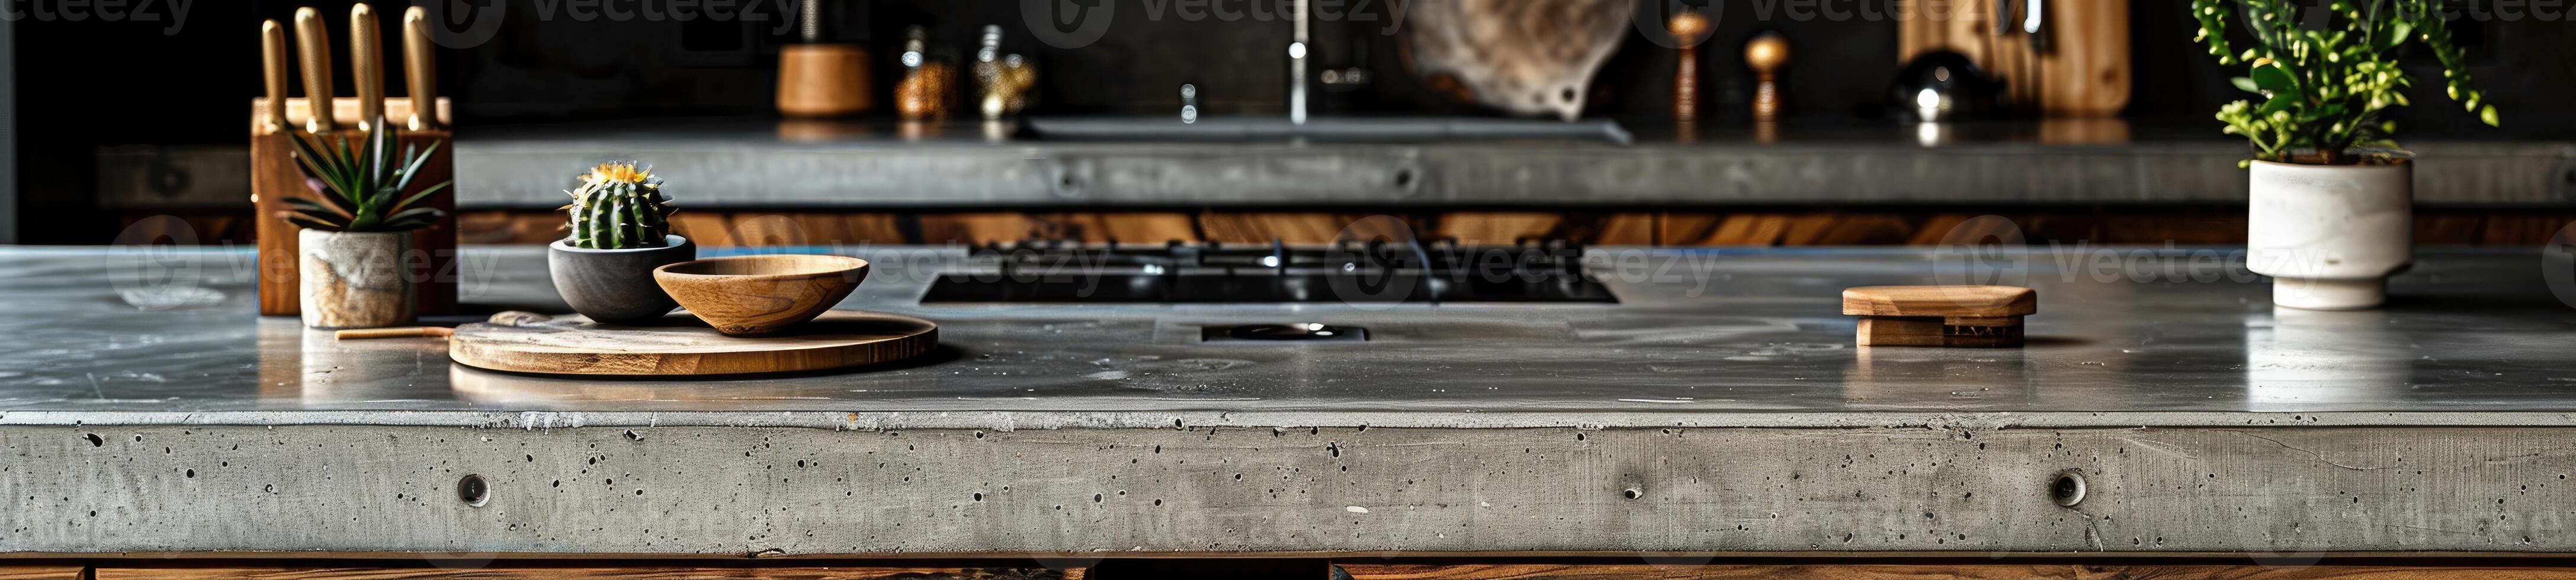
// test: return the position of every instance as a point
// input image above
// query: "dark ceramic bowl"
(616, 285)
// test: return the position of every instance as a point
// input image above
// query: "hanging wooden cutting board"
(2085, 72)
(681, 345)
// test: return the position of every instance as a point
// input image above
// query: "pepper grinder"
(923, 92)
(1002, 81)
(1689, 28)
(820, 79)
(1765, 54)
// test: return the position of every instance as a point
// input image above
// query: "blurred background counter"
(769, 182)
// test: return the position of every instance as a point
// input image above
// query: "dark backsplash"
(543, 62)
(536, 69)
(91, 83)
(540, 69)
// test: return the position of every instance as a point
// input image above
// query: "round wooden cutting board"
(682, 345)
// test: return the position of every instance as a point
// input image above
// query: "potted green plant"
(356, 239)
(621, 231)
(2330, 209)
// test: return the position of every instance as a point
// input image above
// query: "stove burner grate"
(1350, 272)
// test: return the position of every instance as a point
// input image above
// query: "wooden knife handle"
(367, 64)
(313, 47)
(272, 53)
(420, 69)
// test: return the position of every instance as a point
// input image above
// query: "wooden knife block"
(275, 175)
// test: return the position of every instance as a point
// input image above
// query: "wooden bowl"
(747, 295)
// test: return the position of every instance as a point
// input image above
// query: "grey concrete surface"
(1068, 496)
(144, 411)
(140, 330)
(863, 166)
(753, 163)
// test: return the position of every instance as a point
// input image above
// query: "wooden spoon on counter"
(503, 318)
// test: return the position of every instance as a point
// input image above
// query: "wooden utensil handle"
(403, 332)
(420, 68)
(367, 64)
(313, 46)
(273, 68)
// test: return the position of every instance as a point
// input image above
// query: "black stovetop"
(1375, 272)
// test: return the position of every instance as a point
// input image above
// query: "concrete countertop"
(1718, 408)
(1728, 331)
(825, 164)
(731, 163)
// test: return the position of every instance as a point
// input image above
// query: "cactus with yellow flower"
(619, 206)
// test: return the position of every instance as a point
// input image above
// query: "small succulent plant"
(619, 206)
(361, 185)
(2325, 85)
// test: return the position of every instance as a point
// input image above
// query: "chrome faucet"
(1297, 64)
(1297, 52)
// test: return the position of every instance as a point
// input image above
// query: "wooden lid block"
(1943, 301)
(1940, 316)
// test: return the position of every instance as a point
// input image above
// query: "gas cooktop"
(1210, 272)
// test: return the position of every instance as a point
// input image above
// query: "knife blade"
(313, 46)
(367, 65)
(420, 69)
(272, 54)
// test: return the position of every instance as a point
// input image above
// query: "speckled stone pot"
(616, 285)
(354, 279)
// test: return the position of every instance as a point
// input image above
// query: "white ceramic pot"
(354, 279)
(2329, 235)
